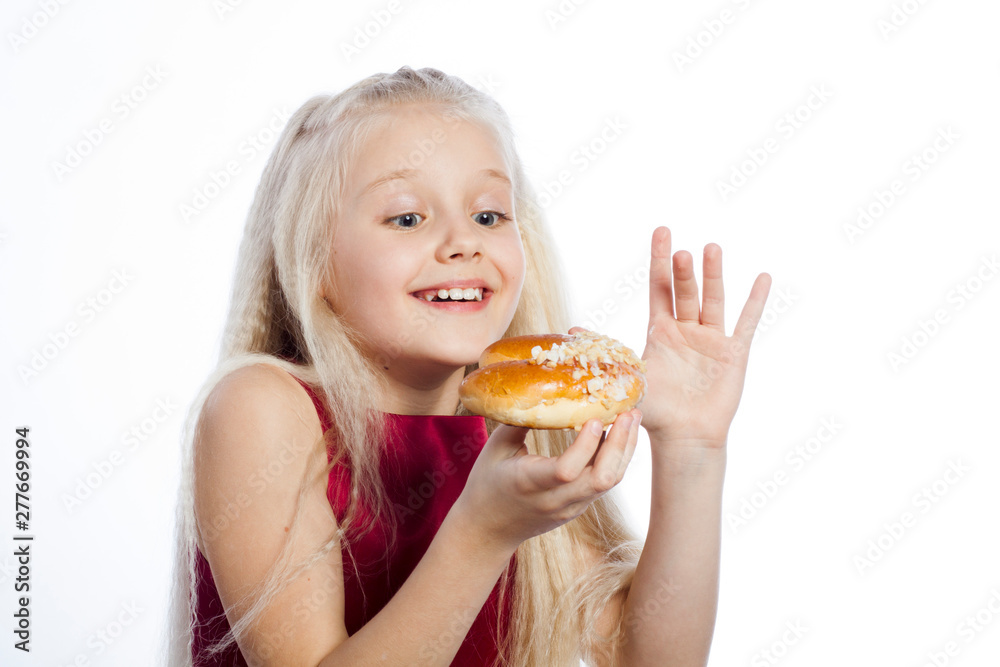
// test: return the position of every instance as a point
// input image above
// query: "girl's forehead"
(420, 122)
(422, 137)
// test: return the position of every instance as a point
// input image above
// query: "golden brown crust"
(519, 347)
(554, 381)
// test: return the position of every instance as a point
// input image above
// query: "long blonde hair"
(277, 317)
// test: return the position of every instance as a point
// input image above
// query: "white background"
(840, 304)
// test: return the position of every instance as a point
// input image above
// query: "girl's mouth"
(456, 299)
(453, 295)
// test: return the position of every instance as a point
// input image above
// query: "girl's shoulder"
(263, 394)
(257, 498)
(253, 415)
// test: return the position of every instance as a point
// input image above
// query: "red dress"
(427, 463)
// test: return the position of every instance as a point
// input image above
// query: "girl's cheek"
(515, 271)
(520, 259)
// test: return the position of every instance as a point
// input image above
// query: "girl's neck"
(422, 392)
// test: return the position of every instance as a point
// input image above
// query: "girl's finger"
(506, 440)
(605, 471)
(752, 310)
(633, 440)
(570, 464)
(661, 296)
(713, 299)
(685, 288)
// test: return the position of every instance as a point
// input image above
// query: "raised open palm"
(695, 372)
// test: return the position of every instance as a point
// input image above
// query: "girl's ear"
(322, 295)
(327, 293)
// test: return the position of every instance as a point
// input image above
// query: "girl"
(339, 507)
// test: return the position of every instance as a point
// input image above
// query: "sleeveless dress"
(427, 462)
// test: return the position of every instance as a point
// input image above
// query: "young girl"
(339, 506)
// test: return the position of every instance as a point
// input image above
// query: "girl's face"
(427, 258)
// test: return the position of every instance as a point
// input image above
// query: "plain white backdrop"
(849, 149)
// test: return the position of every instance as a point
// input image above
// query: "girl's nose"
(460, 239)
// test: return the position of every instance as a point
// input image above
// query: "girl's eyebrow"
(404, 174)
(391, 176)
(487, 174)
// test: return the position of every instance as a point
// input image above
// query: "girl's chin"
(429, 363)
(459, 350)
(430, 348)
(453, 362)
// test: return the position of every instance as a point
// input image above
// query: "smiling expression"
(427, 258)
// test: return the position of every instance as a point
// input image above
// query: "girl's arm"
(695, 375)
(669, 614)
(427, 619)
(259, 421)
(250, 459)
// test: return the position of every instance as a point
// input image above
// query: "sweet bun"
(555, 381)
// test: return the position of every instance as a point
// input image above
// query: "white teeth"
(457, 294)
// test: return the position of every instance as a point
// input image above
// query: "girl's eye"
(490, 218)
(406, 220)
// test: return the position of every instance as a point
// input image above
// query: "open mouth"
(455, 294)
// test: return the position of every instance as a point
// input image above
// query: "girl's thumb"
(507, 440)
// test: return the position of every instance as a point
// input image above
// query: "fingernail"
(596, 427)
(626, 423)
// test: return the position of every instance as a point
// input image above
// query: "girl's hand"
(512, 495)
(695, 372)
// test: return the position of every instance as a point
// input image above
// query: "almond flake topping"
(597, 356)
